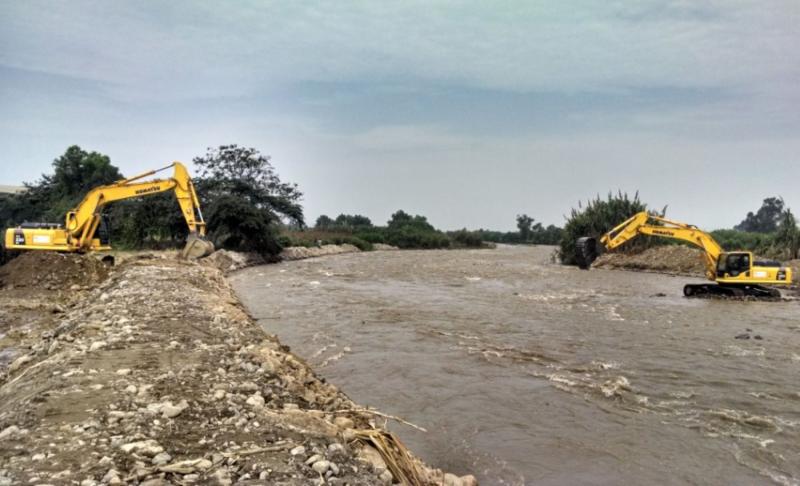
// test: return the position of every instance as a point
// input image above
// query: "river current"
(527, 372)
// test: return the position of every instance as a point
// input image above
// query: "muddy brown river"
(527, 372)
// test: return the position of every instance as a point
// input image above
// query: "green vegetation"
(771, 231)
(402, 230)
(49, 198)
(530, 233)
(598, 217)
(766, 219)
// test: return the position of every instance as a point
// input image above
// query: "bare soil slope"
(673, 259)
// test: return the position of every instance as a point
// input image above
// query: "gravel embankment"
(156, 375)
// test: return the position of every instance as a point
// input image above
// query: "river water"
(527, 372)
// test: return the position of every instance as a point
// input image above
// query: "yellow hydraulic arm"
(82, 222)
(640, 224)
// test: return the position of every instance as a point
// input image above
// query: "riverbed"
(524, 371)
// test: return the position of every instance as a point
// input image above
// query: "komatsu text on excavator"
(736, 273)
(82, 231)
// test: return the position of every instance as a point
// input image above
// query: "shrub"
(464, 238)
(597, 218)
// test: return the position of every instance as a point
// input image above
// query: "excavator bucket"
(196, 247)
(585, 252)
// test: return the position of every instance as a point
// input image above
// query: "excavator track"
(735, 291)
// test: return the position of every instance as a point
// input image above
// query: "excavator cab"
(734, 264)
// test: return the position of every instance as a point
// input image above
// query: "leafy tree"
(49, 198)
(767, 218)
(352, 222)
(245, 200)
(524, 224)
(323, 222)
(787, 236)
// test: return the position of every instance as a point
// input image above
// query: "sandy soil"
(152, 373)
(672, 259)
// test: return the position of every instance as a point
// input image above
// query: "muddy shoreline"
(155, 374)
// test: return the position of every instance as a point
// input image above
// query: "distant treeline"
(406, 231)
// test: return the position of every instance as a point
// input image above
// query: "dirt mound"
(46, 270)
(675, 259)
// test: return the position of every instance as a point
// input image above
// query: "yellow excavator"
(84, 231)
(735, 273)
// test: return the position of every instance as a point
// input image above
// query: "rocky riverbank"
(153, 373)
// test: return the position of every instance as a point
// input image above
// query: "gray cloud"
(468, 112)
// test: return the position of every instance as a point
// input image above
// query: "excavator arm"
(82, 222)
(644, 223)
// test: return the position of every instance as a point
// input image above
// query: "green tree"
(323, 222)
(787, 236)
(48, 199)
(766, 219)
(245, 200)
(524, 224)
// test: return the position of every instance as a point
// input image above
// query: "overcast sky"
(467, 112)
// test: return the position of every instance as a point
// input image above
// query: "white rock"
(105, 460)
(9, 432)
(97, 345)
(321, 466)
(336, 448)
(256, 400)
(167, 409)
(451, 480)
(147, 447)
(131, 389)
(112, 477)
(343, 423)
(124, 371)
(161, 458)
(311, 460)
(188, 466)
(386, 477)
(469, 480)
(222, 477)
(220, 394)
(298, 451)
